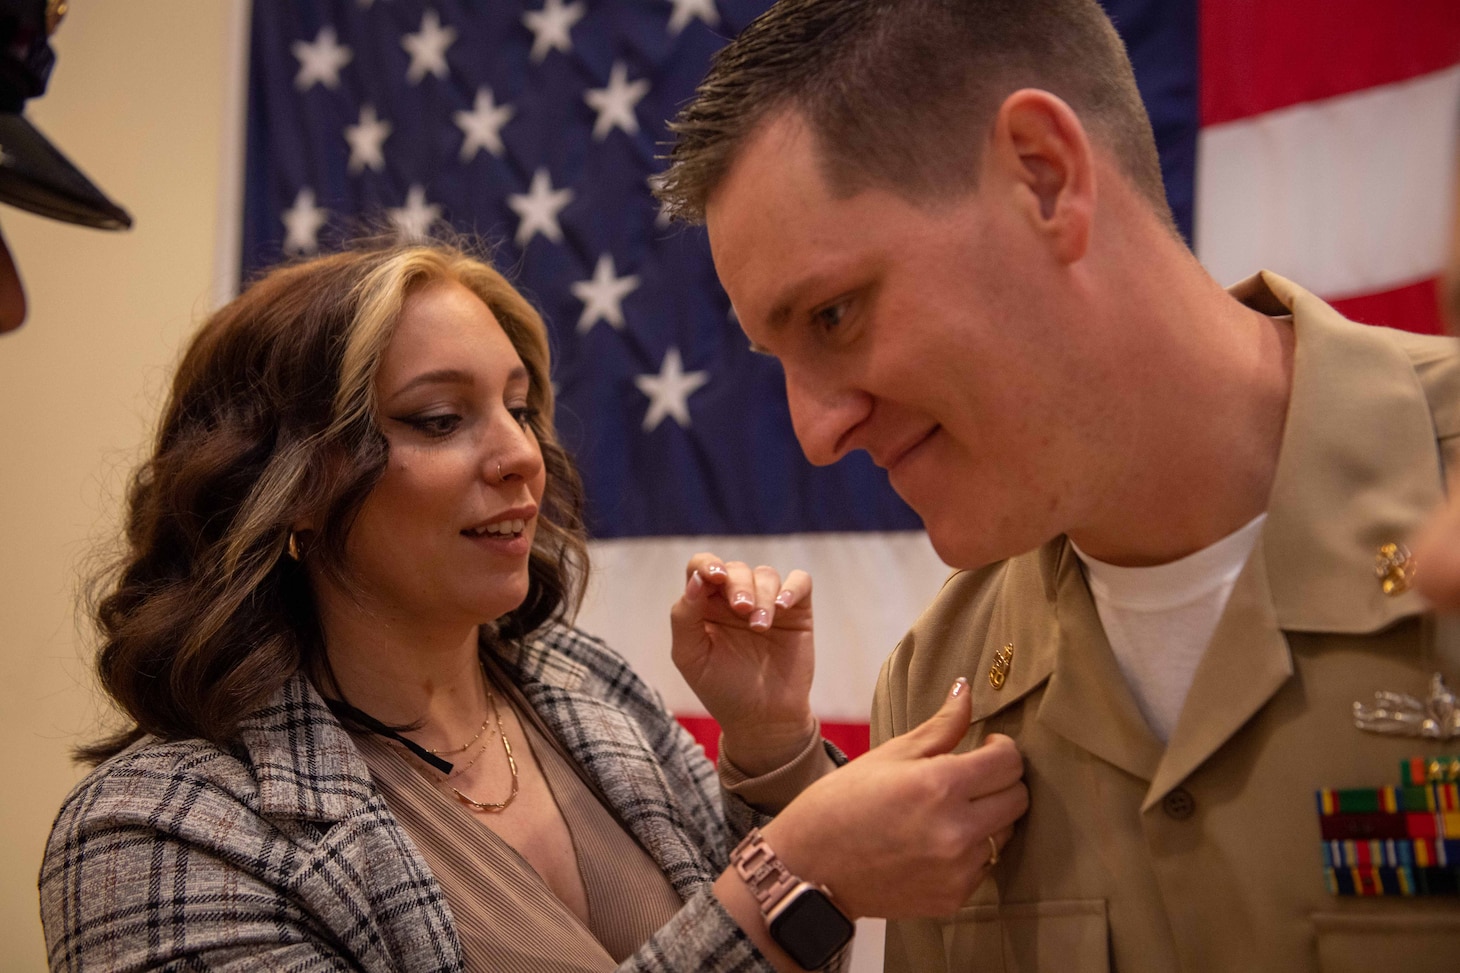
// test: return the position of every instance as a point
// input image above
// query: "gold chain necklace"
(463, 748)
(493, 806)
(468, 765)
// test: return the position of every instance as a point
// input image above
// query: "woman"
(1437, 550)
(364, 736)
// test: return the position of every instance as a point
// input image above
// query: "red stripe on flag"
(854, 739)
(1412, 308)
(1259, 55)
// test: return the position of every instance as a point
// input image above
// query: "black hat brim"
(35, 176)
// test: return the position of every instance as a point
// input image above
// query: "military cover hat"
(34, 174)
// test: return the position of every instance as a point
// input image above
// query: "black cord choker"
(343, 709)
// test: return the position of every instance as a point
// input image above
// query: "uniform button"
(1179, 804)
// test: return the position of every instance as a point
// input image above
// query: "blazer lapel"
(610, 748)
(362, 878)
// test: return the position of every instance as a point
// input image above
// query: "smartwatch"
(801, 917)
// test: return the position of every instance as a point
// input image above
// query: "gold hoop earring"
(296, 553)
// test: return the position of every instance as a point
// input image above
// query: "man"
(34, 175)
(946, 219)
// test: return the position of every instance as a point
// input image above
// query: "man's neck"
(1206, 413)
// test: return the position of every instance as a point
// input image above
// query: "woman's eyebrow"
(439, 376)
(458, 376)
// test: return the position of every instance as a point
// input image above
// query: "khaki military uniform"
(1205, 854)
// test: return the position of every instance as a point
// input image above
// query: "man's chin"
(969, 546)
(958, 550)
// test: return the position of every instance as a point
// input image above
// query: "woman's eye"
(525, 415)
(435, 425)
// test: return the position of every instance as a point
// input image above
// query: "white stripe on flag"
(1346, 196)
(868, 590)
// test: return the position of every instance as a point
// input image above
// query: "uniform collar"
(1359, 467)
(1045, 617)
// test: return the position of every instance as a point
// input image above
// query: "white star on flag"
(482, 126)
(603, 295)
(302, 222)
(428, 47)
(687, 10)
(320, 62)
(669, 391)
(413, 220)
(551, 27)
(538, 209)
(366, 139)
(615, 104)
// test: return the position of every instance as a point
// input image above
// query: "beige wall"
(141, 100)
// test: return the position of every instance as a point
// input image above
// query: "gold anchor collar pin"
(1395, 569)
(999, 671)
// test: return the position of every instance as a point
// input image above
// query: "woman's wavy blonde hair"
(272, 419)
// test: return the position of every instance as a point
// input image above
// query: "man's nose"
(826, 417)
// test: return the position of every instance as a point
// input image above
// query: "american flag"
(1312, 137)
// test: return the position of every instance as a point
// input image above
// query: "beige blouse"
(506, 916)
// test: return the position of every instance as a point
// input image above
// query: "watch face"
(810, 929)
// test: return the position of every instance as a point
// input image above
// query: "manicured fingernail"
(959, 685)
(715, 571)
(695, 586)
(785, 599)
(742, 600)
(760, 619)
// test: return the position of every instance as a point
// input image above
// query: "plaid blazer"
(280, 853)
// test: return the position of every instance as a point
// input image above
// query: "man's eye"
(435, 426)
(831, 316)
(525, 415)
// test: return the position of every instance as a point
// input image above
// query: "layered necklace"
(480, 730)
(436, 758)
(494, 715)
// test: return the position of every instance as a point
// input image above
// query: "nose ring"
(501, 478)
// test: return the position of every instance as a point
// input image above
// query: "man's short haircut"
(901, 93)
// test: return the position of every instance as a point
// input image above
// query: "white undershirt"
(1159, 620)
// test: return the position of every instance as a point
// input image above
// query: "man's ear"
(1042, 152)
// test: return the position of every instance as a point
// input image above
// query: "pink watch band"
(761, 870)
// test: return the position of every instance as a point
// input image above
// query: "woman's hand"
(904, 831)
(742, 640)
(1437, 549)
